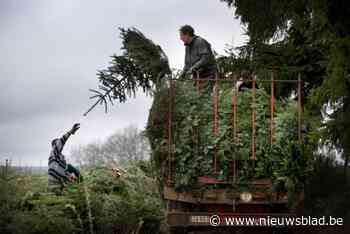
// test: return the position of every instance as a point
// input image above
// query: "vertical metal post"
(197, 127)
(170, 132)
(253, 119)
(272, 108)
(216, 119)
(234, 101)
(234, 124)
(299, 109)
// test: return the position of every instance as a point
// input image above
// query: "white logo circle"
(214, 220)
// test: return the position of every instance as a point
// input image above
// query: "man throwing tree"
(60, 173)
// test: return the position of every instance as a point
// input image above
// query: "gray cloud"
(51, 50)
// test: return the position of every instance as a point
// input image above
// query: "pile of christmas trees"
(194, 144)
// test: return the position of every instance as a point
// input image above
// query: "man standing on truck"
(199, 58)
(60, 173)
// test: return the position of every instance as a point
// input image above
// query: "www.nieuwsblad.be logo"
(225, 220)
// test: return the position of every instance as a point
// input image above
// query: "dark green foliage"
(233, 63)
(103, 202)
(273, 16)
(312, 30)
(141, 65)
(22, 212)
(146, 55)
(315, 42)
(328, 173)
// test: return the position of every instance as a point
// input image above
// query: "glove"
(75, 128)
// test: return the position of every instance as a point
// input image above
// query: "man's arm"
(184, 69)
(59, 143)
(202, 62)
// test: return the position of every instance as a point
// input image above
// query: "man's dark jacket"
(199, 57)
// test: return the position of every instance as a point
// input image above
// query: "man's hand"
(72, 177)
(116, 172)
(186, 73)
(75, 128)
(190, 71)
(182, 75)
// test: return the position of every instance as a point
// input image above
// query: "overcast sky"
(50, 51)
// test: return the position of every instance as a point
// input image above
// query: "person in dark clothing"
(199, 58)
(60, 173)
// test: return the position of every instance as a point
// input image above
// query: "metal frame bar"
(216, 120)
(253, 143)
(299, 108)
(272, 108)
(250, 80)
(234, 126)
(170, 147)
(198, 85)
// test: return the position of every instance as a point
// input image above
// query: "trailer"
(199, 211)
